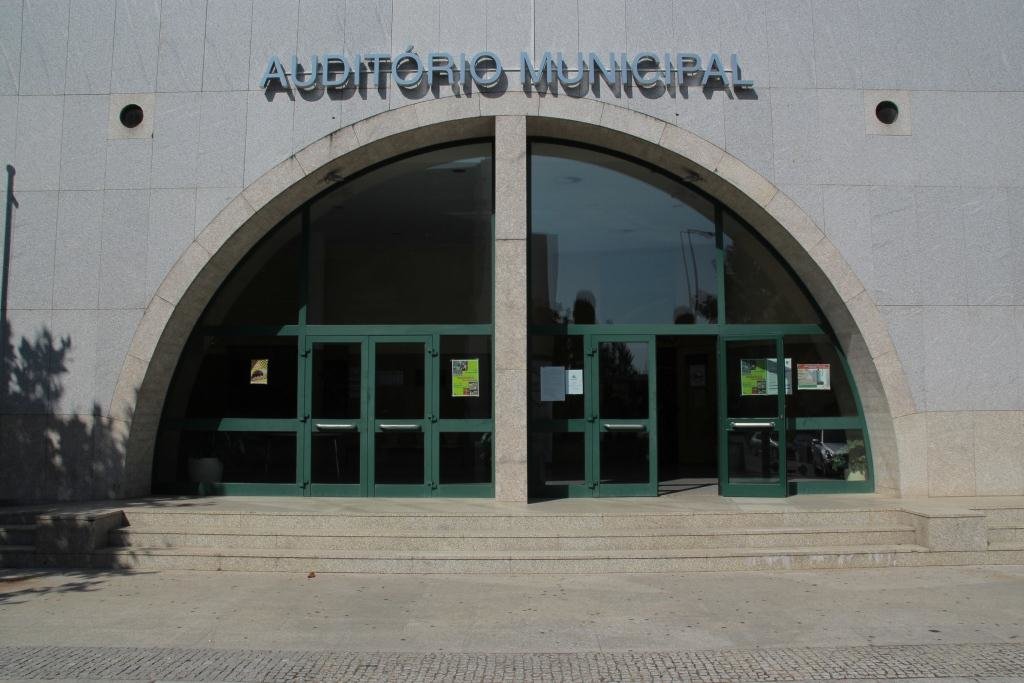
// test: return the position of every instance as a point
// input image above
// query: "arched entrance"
(188, 288)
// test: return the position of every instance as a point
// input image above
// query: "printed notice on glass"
(466, 378)
(258, 369)
(552, 383)
(574, 382)
(813, 377)
(759, 376)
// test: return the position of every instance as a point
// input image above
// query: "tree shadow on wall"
(44, 455)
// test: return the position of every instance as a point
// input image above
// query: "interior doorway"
(687, 414)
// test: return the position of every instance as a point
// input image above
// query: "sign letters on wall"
(409, 70)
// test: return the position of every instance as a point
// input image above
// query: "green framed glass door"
(754, 379)
(336, 449)
(622, 441)
(402, 413)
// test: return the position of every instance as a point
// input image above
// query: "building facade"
(511, 249)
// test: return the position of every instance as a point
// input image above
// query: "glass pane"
(465, 457)
(613, 241)
(758, 287)
(550, 355)
(237, 377)
(398, 458)
(687, 408)
(400, 381)
(559, 457)
(237, 457)
(264, 289)
(625, 458)
(335, 458)
(753, 455)
(337, 374)
(827, 454)
(751, 379)
(409, 242)
(623, 379)
(822, 389)
(462, 360)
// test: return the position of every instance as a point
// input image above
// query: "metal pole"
(5, 274)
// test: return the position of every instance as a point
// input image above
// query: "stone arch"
(180, 299)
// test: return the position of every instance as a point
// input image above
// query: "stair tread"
(513, 554)
(1006, 546)
(611, 533)
(131, 512)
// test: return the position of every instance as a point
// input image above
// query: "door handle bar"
(399, 427)
(759, 425)
(624, 427)
(335, 427)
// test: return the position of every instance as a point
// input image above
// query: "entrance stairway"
(452, 536)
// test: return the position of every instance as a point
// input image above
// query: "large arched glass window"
(350, 352)
(645, 290)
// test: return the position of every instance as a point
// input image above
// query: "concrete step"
(17, 556)
(496, 524)
(17, 534)
(647, 540)
(18, 517)
(525, 562)
(1003, 516)
(1004, 548)
(1006, 534)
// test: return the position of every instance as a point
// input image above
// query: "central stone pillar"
(510, 384)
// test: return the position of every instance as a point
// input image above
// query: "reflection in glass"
(559, 457)
(465, 457)
(400, 381)
(465, 348)
(625, 458)
(753, 455)
(555, 351)
(398, 458)
(741, 356)
(220, 373)
(257, 457)
(834, 399)
(407, 243)
(336, 380)
(623, 379)
(335, 458)
(758, 287)
(264, 289)
(613, 241)
(827, 454)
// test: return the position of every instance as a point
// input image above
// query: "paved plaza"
(927, 623)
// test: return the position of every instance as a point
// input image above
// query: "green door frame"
(599, 424)
(430, 425)
(423, 425)
(727, 423)
(313, 424)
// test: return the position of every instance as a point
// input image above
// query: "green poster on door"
(466, 378)
(753, 377)
(759, 376)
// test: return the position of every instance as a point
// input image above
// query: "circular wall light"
(131, 116)
(887, 112)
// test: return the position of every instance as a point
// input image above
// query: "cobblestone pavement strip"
(973, 661)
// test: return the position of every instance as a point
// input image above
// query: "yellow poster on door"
(258, 369)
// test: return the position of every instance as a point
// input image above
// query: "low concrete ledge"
(953, 530)
(76, 532)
